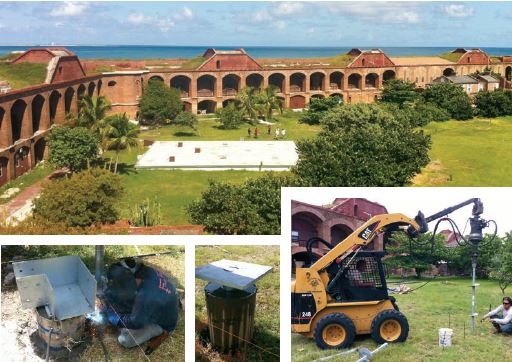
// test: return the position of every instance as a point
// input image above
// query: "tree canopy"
(318, 107)
(362, 145)
(74, 148)
(494, 104)
(399, 92)
(450, 97)
(159, 104)
(84, 199)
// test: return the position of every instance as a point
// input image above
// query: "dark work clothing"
(156, 302)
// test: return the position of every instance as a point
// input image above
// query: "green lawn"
(266, 330)
(22, 75)
(428, 309)
(469, 153)
(27, 179)
(209, 130)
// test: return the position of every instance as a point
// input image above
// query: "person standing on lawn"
(249, 132)
(503, 324)
(283, 133)
(269, 129)
(256, 132)
(277, 134)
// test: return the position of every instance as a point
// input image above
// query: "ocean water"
(155, 52)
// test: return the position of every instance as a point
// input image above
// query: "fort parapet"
(209, 82)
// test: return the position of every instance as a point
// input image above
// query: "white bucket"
(445, 337)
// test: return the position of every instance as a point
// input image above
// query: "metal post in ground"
(98, 269)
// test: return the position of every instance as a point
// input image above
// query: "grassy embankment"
(442, 303)
(173, 265)
(469, 153)
(27, 179)
(266, 331)
(23, 74)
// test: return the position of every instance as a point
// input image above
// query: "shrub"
(230, 116)
(74, 148)
(494, 104)
(186, 119)
(362, 145)
(84, 199)
(451, 98)
(317, 109)
(399, 92)
(159, 104)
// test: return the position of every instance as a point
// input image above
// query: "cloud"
(385, 12)
(139, 18)
(165, 24)
(69, 8)
(280, 24)
(187, 13)
(262, 15)
(287, 8)
(458, 11)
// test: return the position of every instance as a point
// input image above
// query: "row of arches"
(28, 116)
(21, 161)
(206, 84)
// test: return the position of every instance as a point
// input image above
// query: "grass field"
(266, 331)
(27, 179)
(22, 75)
(173, 265)
(469, 153)
(442, 303)
(208, 129)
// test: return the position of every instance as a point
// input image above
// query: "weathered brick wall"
(372, 60)
(230, 62)
(67, 68)
(34, 56)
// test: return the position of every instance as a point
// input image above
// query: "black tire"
(390, 315)
(339, 319)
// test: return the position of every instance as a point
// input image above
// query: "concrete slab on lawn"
(219, 155)
(232, 274)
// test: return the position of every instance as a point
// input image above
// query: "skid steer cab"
(344, 293)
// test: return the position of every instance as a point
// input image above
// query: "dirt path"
(20, 206)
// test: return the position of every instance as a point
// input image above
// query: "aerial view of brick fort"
(212, 80)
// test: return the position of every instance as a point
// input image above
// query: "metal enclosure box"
(63, 283)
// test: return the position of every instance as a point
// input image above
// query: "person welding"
(142, 302)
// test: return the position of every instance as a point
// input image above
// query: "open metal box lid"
(64, 284)
(232, 274)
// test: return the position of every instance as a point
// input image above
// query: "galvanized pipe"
(100, 254)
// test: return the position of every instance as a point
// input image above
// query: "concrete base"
(220, 155)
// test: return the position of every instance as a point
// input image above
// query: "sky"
(360, 23)
(429, 200)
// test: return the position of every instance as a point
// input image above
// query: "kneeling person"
(142, 302)
(502, 323)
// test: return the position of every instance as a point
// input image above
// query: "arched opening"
(182, 83)
(17, 115)
(111, 83)
(230, 85)
(90, 89)
(4, 167)
(388, 75)
(337, 95)
(354, 81)
(254, 80)
(316, 81)
(187, 106)
(371, 80)
(318, 96)
(206, 107)
(37, 110)
(277, 80)
(297, 82)
(39, 150)
(336, 80)
(448, 72)
(306, 225)
(21, 161)
(206, 86)
(339, 233)
(157, 78)
(80, 92)
(508, 73)
(297, 102)
(226, 102)
(68, 98)
(54, 102)
(100, 83)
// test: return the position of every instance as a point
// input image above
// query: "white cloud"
(280, 24)
(458, 11)
(139, 18)
(165, 24)
(386, 12)
(69, 8)
(287, 8)
(261, 16)
(311, 30)
(187, 13)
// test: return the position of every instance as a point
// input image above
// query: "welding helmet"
(121, 286)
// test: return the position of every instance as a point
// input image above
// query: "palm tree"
(268, 102)
(247, 102)
(118, 133)
(92, 110)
